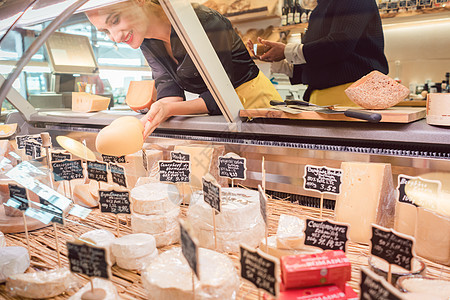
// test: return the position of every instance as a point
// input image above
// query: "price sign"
(58, 156)
(211, 193)
(411, 3)
(402, 181)
(114, 159)
(416, 187)
(189, 247)
(232, 166)
(374, 287)
(17, 191)
(114, 202)
(118, 174)
(67, 170)
(263, 203)
(393, 247)
(18, 203)
(88, 260)
(20, 140)
(322, 179)
(327, 235)
(260, 269)
(174, 171)
(402, 3)
(180, 156)
(97, 171)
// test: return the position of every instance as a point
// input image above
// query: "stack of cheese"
(155, 211)
(289, 240)
(169, 277)
(99, 283)
(134, 251)
(13, 260)
(101, 238)
(140, 165)
(40, 285)
(239, 220)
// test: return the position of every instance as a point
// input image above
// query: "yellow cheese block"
(135, 165)
(82, 196)
(367, 196)
(141, 95)
(85, 102)
(405, 218)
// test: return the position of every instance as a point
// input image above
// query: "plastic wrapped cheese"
(376, 91)
(277, 252)
(2, 240)
(13, 260)
(239, 221)
(101, 238)
(154, 198)
(153, 224)
(99, 283)
(40, 285)
(169, 277)
(168, 237)
(138, 263)
(133, 245)
(290, 232)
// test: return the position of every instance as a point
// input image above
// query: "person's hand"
(251, 47)
(275, 51)
(158, 113)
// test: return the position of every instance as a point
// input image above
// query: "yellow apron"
(332, 96)
(257, 92)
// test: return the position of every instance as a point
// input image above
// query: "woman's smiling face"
(123, 23)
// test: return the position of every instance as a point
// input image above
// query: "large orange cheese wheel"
(122, 137)
(141, 95)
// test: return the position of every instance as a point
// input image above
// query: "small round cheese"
(154, 224)
(169, 276)
(99, 283)
(139, 263)
(133, 245)
(13, 260)
(154, 198)
(101, 238)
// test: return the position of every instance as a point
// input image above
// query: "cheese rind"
(405, 218)
(141, 95)
(40, 285)
(154, 224)
(101, 238)
(99, 283)
(139, 263)
(367, 196)
(154, 198)
(133, 245)
(13, 260)
(169, 276)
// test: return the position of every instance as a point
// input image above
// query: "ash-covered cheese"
(154, 224)
(13, 260)
(154, 198)
(133, 245)
(99, 283)
(376, 91)
(40, 285)
(136, 263)
(290, 232)
(169, 277)
(101, 238)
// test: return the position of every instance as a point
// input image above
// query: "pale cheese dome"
(169, 277)
(154, 198)
(13, 260)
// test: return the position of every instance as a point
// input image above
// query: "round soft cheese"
(168, 237)
(13, 260)
(99, 283)
(169, 276)
(133, 245)
(101, 238)
(154, 198)
(139, 263)
(154, 224)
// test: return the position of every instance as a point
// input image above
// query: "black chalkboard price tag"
(263, 203)
(114, 159)
(67, 170)
(402, 181)
(322, 179)
(174, 171)
(116, 202)
(97, 171)
(327, 235)
(375, 287)
(58, 156)
(232, 166)
(118, 174)
(394, 247)
(211, 193)
(180, 156)
(17, 191)
(260, 269)
(88, 260)
(18, 203)
(189, 246)
(21, 139)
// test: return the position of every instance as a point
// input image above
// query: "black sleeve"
(297, 76)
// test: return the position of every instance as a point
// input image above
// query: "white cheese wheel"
(133, 245)
(13, 260)
(2, 240)
(139, 263)
(168, 238)
(154, 224)
(101, 238)
(99, 283)
(290, 232)
(274, 251)
(376, 91)
(169, 277)
(154, 198)
(40, 285)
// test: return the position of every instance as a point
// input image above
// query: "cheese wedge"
(273, 250)
(85, 102)
(133, 245)
(138, 263)
(405, 218)
(290, 232)
(13, 260)
(135, 165)
(101, 238)
(367, 196)
(153, 224)
(99, 283)
(94, 187)
(141, 95)
(82, 196)
(154, 198)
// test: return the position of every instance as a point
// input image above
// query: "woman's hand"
(158, 113)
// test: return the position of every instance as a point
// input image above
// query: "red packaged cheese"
(329, 267)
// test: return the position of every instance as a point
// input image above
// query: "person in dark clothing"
(143, 24)
(344, 41)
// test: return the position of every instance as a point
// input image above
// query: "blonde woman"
(143, 24)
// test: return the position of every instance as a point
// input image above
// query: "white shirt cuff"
(282, 67)
(294, 53)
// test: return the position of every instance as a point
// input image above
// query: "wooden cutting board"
(15, 224)
(390, 115)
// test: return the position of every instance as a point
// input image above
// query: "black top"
(172, 79)
(344, 42)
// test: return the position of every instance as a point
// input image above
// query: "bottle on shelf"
(297, 12)
(290, 18)
(284, 13)
(304, 16)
